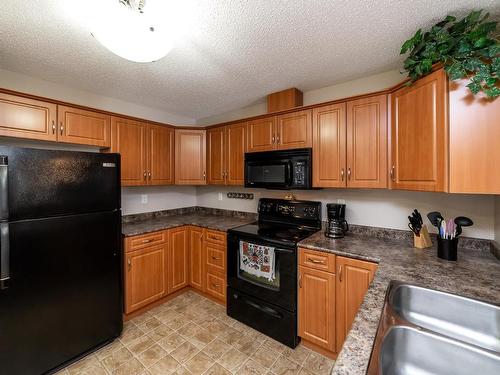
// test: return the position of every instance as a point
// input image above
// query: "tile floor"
(193, 335)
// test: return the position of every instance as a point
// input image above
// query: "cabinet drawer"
(145, 240)
(216, 285)
(317, 260)
(216, 257)
(216, 237)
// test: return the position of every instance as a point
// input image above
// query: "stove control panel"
(298, 210)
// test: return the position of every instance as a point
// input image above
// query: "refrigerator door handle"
(4, 188)
(4, 255)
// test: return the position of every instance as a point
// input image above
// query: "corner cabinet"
(178, 256)
(419, 135)
(196, 258)
(190, 157)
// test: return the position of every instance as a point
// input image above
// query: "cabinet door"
(367, 142)
(235, 154)
(216, 285)
(329, 146)
(83, 127)
(27, 118)
(161, 155)
(196, 258)
(474, 146)
(316, 309)
(215, 156)
(178, 276)
(419, 135)
(190, 157)
(129, 140)
(353, 279)
(215, 257)
(145, 272)
(294, 130)
(261, 134)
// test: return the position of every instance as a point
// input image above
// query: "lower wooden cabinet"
(196, 258)
(331, 290)
(178, 274)
(216, 285)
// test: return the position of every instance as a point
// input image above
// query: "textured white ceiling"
(234, 52)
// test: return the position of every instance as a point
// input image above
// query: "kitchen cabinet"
(353, 278)
(161, 155)
(261, 134)
(145, 270)
(474, 141)
(316, 307)
(83, 127)
(196, 258)
(329, 146)
(294, 130)
(216, 264)
(190, 157)
(178, 257)
(226, 155)
(419, 135)
(367, 142)
(27, 118)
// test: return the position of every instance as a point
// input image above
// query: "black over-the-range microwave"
(285, 169)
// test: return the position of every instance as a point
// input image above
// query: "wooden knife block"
(424, 240)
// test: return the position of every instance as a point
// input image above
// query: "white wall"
(30, 85)
(379, 208)
(159, 198)
(342, 90)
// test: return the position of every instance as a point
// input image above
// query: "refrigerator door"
(64, 294)
(43, 183)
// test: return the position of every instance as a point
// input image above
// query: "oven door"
(280, 291)
(270, 174)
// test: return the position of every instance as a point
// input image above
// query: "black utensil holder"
(447, 249)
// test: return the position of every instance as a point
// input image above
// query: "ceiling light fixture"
(127, 29)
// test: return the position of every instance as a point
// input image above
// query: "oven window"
(252, 259)
(270, 173)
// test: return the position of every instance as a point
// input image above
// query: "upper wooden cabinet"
(83, 127)
(147, 152)
(419, 135)
(367, 142)
(261, 134)
(294, 130)
(161, 155)
(329, 146)
(226, 154)
(27, 118)
(190, 157)
(353, 279)
(474, 142)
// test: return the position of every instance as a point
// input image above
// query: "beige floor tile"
(177, 323)
(230, 335)
(140, 345)
(166, 315)
(215, 327)
(227, 320)
(116, 359)
(204, 319)
(303, 371)
(247, 345)
(216, 349)
(217, 370)
(160, 332)
(202, 338)
(130, 334)
(274, 345)
(298, 355)
(152, 355)
(232, 359)
(251, 367)
(184, 352)
(189, 330)
(265, 356)
(164, 366)
(181, 371)
(318, 364)
(171, 342)
(283, 366)
(199, 363)
(132, 367)
(108, 349)
(87, 366)
(62, 372)
(149, 325)
(138, 320)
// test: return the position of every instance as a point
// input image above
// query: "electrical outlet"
(144, 199)
(220, 196)
(341, 201)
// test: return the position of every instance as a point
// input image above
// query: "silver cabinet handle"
(145, 175)
(53, 127)
(340, 273)
(274, 138)
(349, 173)
(129, 264)
(146, 241)
(393, 177)
(278, 138)
(342, 174)
(149, 175)
(315, 261)
(204, 175)
(61, 129)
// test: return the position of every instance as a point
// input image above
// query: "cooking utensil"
(435, 218)
(417, 215)
(462, 221)
(414, 225)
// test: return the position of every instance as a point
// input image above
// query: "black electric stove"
(270, 305)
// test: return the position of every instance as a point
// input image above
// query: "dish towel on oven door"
(257, 260)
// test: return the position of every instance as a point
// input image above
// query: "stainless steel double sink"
(424, 331)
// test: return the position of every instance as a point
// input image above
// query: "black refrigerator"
(60, 257)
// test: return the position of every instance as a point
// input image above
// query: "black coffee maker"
(337, 225)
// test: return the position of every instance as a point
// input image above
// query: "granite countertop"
(209, 220)
(476, 274)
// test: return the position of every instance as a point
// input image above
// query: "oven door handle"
(289, 169)
(264, 309)
(289, 251)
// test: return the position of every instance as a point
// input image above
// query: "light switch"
(220, 196)
(341, 201)
(144, 199)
